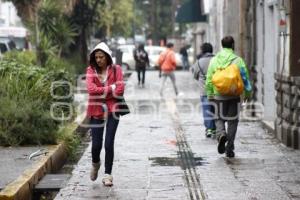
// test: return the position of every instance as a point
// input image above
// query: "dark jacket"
(141, 58)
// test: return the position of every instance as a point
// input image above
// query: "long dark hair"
(93, 62)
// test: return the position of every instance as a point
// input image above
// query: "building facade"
(8, 15)
(266, 34)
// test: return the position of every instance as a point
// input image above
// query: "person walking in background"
(141, 62)
(104, 84)
(167, 65)
(228, 106)
(184, 57)
(200, 71)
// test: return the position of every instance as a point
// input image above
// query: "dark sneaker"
(221, 145)
(230, 154)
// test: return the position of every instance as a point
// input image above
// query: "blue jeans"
(97, 139)
(185, 63)
(208, 113)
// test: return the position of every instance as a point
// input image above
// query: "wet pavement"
(161, 152)
(14, 160)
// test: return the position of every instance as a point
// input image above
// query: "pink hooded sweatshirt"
(102, 99)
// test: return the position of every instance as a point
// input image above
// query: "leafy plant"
(72, 141)
(25, 96)
(25, 57)
(113, 22)
(53, 24)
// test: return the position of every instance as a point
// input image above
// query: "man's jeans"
(185, 63)
(227, 111)
(208, 113)
(97, 138)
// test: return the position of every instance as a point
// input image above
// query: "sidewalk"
(161, 153)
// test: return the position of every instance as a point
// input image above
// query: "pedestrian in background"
(200, 70)
(227, 106)
(104, 84)
(141, 62)
(167, 65)
(184, 57)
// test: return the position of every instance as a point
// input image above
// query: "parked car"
(15, 37)
(153, 54)
(4, 47)
(127, 56)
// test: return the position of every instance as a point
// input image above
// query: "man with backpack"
(227, 79)
(199, 72)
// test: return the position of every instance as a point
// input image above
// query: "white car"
(128, 61)
(155, 51)
(153, 54)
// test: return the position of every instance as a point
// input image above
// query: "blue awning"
(190, 12)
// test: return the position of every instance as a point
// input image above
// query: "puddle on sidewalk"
(168, 161)
(165, 161)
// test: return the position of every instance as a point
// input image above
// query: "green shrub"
(71, 140)
(55, 63)
(24, 57)
(75, 61)
(25, 99)
(22, 121)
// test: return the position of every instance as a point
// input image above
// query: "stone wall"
(287, 123)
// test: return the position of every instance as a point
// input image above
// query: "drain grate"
(187, 158)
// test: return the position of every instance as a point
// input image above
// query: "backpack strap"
(165, 57)
(234, 59)
(200, 68)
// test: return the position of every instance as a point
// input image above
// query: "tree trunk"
(83, 46)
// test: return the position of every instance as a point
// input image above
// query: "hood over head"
(103, 47)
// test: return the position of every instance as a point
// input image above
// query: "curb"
(21, 188)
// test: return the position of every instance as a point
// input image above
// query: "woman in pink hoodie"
(104, 84)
